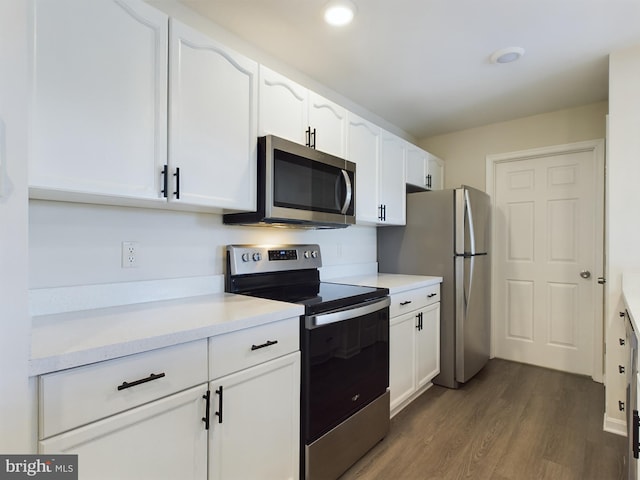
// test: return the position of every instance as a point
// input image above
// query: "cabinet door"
(363, 150)
(213, 122)
(330, 123)
(392, 179)
(436, 172)
(284, 107)
(99, 106)
(165, 439)
(257, 435)
(417, 166)
(428, 345)
(402, 358)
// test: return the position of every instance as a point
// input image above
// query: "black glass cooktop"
(319, 297)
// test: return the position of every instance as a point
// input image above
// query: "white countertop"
(631, 295)
(396, 283)
(71, 339)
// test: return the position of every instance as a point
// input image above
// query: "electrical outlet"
(130, 252)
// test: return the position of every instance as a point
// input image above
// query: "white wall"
(465, 151)
(80, 244)
(623, 170)
(15, 426)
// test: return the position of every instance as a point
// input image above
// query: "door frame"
(598, 148)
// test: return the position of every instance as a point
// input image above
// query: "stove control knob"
(257, 257)
(307, 254)
(314, 254)
(245, 257)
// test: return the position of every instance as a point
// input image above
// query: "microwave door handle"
(349, 188)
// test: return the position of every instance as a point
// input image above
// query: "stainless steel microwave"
(299, 186)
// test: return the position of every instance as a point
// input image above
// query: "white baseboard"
(613, 425)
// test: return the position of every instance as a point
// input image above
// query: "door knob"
(585, 274)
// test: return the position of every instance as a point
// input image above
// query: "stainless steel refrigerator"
(448, 234)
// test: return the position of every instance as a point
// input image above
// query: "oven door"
(345, 364)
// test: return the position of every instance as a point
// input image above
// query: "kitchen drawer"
(244, 348)
(78, 396)
(410, 300)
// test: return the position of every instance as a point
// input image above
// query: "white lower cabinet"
(137, 417)
(255, 403)
(165, 439)
(255, 419)
(227, 407)
(414, 344)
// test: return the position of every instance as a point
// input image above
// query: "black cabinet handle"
(268, 343)
(431, 295)
(313, 145)
(308, 137)
(621, 340)
(429, 181)
(219, 412)
(165, 182)
(621, 405)
(177, 175)
(636, 426)
(407, 302)
(150, 378)
(621, 368)
(621, 314)
(206, 417)
(421, 326)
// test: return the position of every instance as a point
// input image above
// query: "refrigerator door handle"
(472, 233)
(467, 292)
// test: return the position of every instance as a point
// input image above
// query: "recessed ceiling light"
(339, 12)
(507, 55)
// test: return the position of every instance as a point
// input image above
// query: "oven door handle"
(313, 321)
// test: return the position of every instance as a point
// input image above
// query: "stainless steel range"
(344, 342)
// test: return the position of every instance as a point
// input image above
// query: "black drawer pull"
(402, 304)
(267, 344)
(431, 295)
(621, 368)
(151, 377)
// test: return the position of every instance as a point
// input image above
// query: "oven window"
(345, 366)
(306, 184)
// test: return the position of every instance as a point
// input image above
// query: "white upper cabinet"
(417, 167)
(328, 123)
(436, 173)
(363, 150)
(291, 111)
(99, 99)
(392, 179)
(212, 122)
(284, 107)
(380, 173)
(424, 170)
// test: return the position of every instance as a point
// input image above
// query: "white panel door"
(330, 123)
(258, 435)
(402, 358)
(392, 179)
(164, 439)
(99, 111)
(363, 150)
(428, 345)
(417, 167)
(546, 228)
(213, 122)
(284, 107)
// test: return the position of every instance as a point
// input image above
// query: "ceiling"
(423, 65)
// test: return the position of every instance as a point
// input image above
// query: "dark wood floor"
(512, 421)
